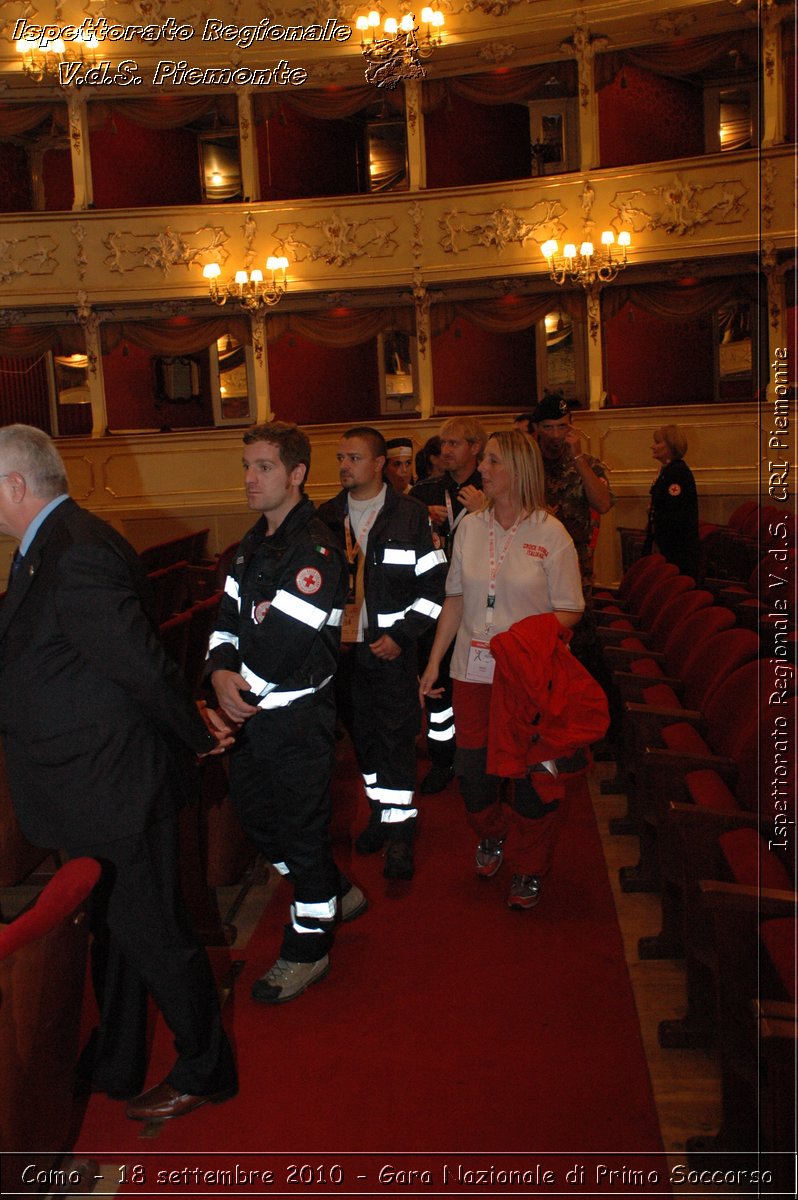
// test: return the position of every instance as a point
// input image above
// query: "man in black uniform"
(396, 593)
(271, 662)
(448, 499)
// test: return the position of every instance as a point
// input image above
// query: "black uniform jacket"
(434, 491)
(279, 622)
(97, 720)
(404, 573)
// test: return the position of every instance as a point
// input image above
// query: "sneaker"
(489, 856)
(399, 860)
(524, 891)
(353, 903)
(373, 837)
(436, 779)
(287, 979)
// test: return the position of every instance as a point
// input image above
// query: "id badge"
(351, 622)
(481, 663)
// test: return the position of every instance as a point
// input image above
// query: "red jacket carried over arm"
(545, 704)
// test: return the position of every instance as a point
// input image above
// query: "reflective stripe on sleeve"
(386, 620)
(277, 699)
(254, 682)
(300, 610)
(428, 561)
(427, 608)
(219, 638)
(336, 617)
(281, 868)
(232, 590)
(404, 558)
(394, 796)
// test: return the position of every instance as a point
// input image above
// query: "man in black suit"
(100, 736)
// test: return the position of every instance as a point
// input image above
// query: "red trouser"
(530, 830)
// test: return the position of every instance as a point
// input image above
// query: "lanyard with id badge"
(351, 626)
(481, 663)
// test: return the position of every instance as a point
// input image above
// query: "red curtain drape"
(183, 335)
(676, 303)
(514, 86)
(329, 104)
(164, 112)
(691, 56)
(21, 118)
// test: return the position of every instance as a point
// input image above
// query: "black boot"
(399, 862)
(373, 837)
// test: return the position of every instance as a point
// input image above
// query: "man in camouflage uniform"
(578, 493)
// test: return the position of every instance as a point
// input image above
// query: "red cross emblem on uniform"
(674, 490)
(308, 581)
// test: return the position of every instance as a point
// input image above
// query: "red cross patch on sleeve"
(308, 581)
(675, 490)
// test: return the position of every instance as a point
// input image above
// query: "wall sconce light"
(249, 289)
(396, 30)
(587, 267)
(43, 65)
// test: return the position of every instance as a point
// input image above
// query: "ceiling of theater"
(479, 35)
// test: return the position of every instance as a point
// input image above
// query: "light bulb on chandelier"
(587, 267)
(395, 30)
(249, 289)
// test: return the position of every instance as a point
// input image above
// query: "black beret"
(551, 408)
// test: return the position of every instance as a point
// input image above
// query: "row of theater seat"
(729, 552)
(696, 704)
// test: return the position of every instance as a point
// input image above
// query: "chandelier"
(43, 64)
(249, 289)
(394, 30)
(587, 267)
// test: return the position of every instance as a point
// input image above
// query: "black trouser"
(143, 942)
(380, 708)
(280, 786)
(440, 714)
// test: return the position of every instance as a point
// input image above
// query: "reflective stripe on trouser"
(382, 703)
(279, 783)
(440, 714)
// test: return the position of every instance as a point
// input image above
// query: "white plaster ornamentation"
(11, 316)
(417, 237)
(674, 24)
(27, 256)
(88, 319)
(421, 300)
(78, 230)
(767, 198)
(584, 47)
(337, 241)
(165, 250)
(680, 207)
(492, 8)
(500, 228)
(329, 71)
(258, 325)
(496, 52)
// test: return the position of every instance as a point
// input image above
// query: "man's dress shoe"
(164, 1101)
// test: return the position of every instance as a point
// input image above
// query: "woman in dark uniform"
(673, 513)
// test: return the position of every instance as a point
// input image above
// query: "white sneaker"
(287, 979)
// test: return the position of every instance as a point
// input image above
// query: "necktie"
(16, 563)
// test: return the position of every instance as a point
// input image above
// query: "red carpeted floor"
(447, 1026)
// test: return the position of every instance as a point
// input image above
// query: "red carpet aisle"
(447, 1025)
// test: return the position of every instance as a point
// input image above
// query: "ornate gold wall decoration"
(680, 206)
(501, 228)
(491, 8)
(164, 250)
(584, 46)
(27, 256)
(496, 52)
(337, 241)
(674, 24)
(78, 230)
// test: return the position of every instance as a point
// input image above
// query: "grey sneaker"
(287, 979)
(524, 891)
(353, 903)
(489, 856)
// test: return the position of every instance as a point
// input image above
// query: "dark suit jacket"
(97, 721)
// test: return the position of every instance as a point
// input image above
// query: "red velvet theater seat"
(42, 976)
